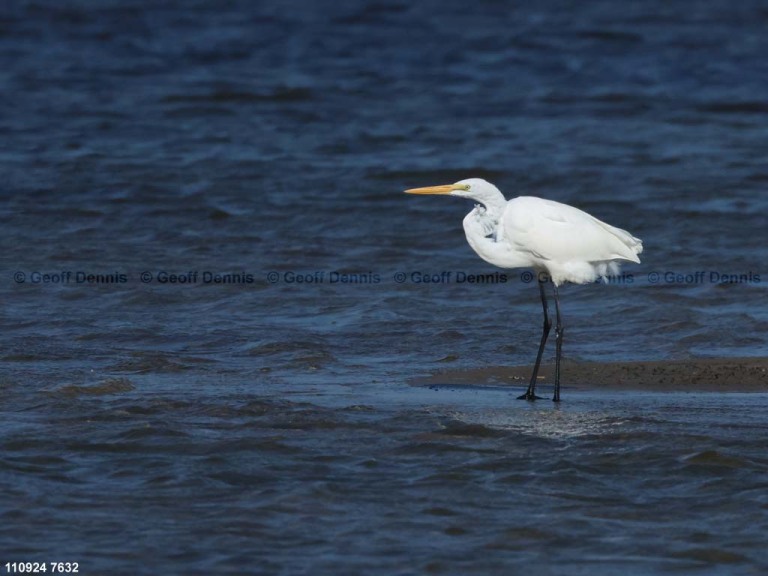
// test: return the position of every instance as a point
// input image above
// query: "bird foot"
(529, 396)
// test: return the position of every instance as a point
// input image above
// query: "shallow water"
(214, 291)
(445, 480)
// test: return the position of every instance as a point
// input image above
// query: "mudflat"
(700, 374)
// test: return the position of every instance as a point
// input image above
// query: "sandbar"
(689, 375)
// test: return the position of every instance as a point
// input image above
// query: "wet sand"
(703, 375)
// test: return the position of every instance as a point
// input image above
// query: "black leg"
(558, 348)
(530, 394)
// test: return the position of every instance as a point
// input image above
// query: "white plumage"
(564, 242)
(528, 232)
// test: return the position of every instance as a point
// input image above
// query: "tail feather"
(632, 246)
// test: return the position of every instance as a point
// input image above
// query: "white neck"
(484, 232)
(493, 200)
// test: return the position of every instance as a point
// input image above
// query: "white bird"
(560, 242)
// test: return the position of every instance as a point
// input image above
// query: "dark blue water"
(214, 291)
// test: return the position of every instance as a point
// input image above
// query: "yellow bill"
(443, 189)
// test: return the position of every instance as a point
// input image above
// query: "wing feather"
(561, 234)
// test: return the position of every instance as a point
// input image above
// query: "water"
(197, 405)
(447, 480)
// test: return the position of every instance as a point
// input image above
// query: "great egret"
(560, 242)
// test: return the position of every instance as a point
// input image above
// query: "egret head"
(474, 188)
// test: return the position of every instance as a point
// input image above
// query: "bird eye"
(465, 187)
